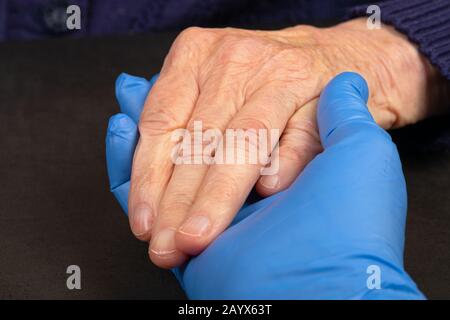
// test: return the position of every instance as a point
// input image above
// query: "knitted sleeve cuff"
(425, 22)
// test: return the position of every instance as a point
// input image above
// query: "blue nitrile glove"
(332, 235)
(122, 133)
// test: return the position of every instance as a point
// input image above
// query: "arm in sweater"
(424, 22)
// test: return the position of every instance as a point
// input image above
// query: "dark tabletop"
(55, 207)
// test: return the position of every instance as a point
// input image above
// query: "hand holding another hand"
(343, 216)
(252, 80)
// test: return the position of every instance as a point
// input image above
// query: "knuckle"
(303, 129)
(204, 123)
(251, 123)
(193, 38)
(239, 49)
(180, 202)
(158, 122)
(224, 187)
(202, 142)
(300, 141)
(246, 147)
(188, 46)
(142, 182)
(248, 144)
(190, 34)
(295, 153)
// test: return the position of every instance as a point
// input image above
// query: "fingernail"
(142, 220)
(164, 242)
(271, 181)
(195, 226)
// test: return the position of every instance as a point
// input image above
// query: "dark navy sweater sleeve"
(425, 22)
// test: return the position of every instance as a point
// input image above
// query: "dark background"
(55, 208)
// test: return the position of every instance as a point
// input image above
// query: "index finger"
(163, 112)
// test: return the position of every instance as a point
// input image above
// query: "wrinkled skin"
(233, 78)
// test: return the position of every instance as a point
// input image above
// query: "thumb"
(342, 109)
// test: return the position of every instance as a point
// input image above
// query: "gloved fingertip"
(354, 80)
(120, 124)
(131, 93)
(120, 79)
(343, 101)
(126, 81)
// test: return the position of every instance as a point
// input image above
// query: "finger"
(121, 140)
(225, 187)
(131, 93)
(342, 110)
(299, 144)
(215, 107)
(164, 112)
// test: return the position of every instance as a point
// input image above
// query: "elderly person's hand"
(241, 79)
(336, 232)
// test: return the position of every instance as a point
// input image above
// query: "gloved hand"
(336, 233)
